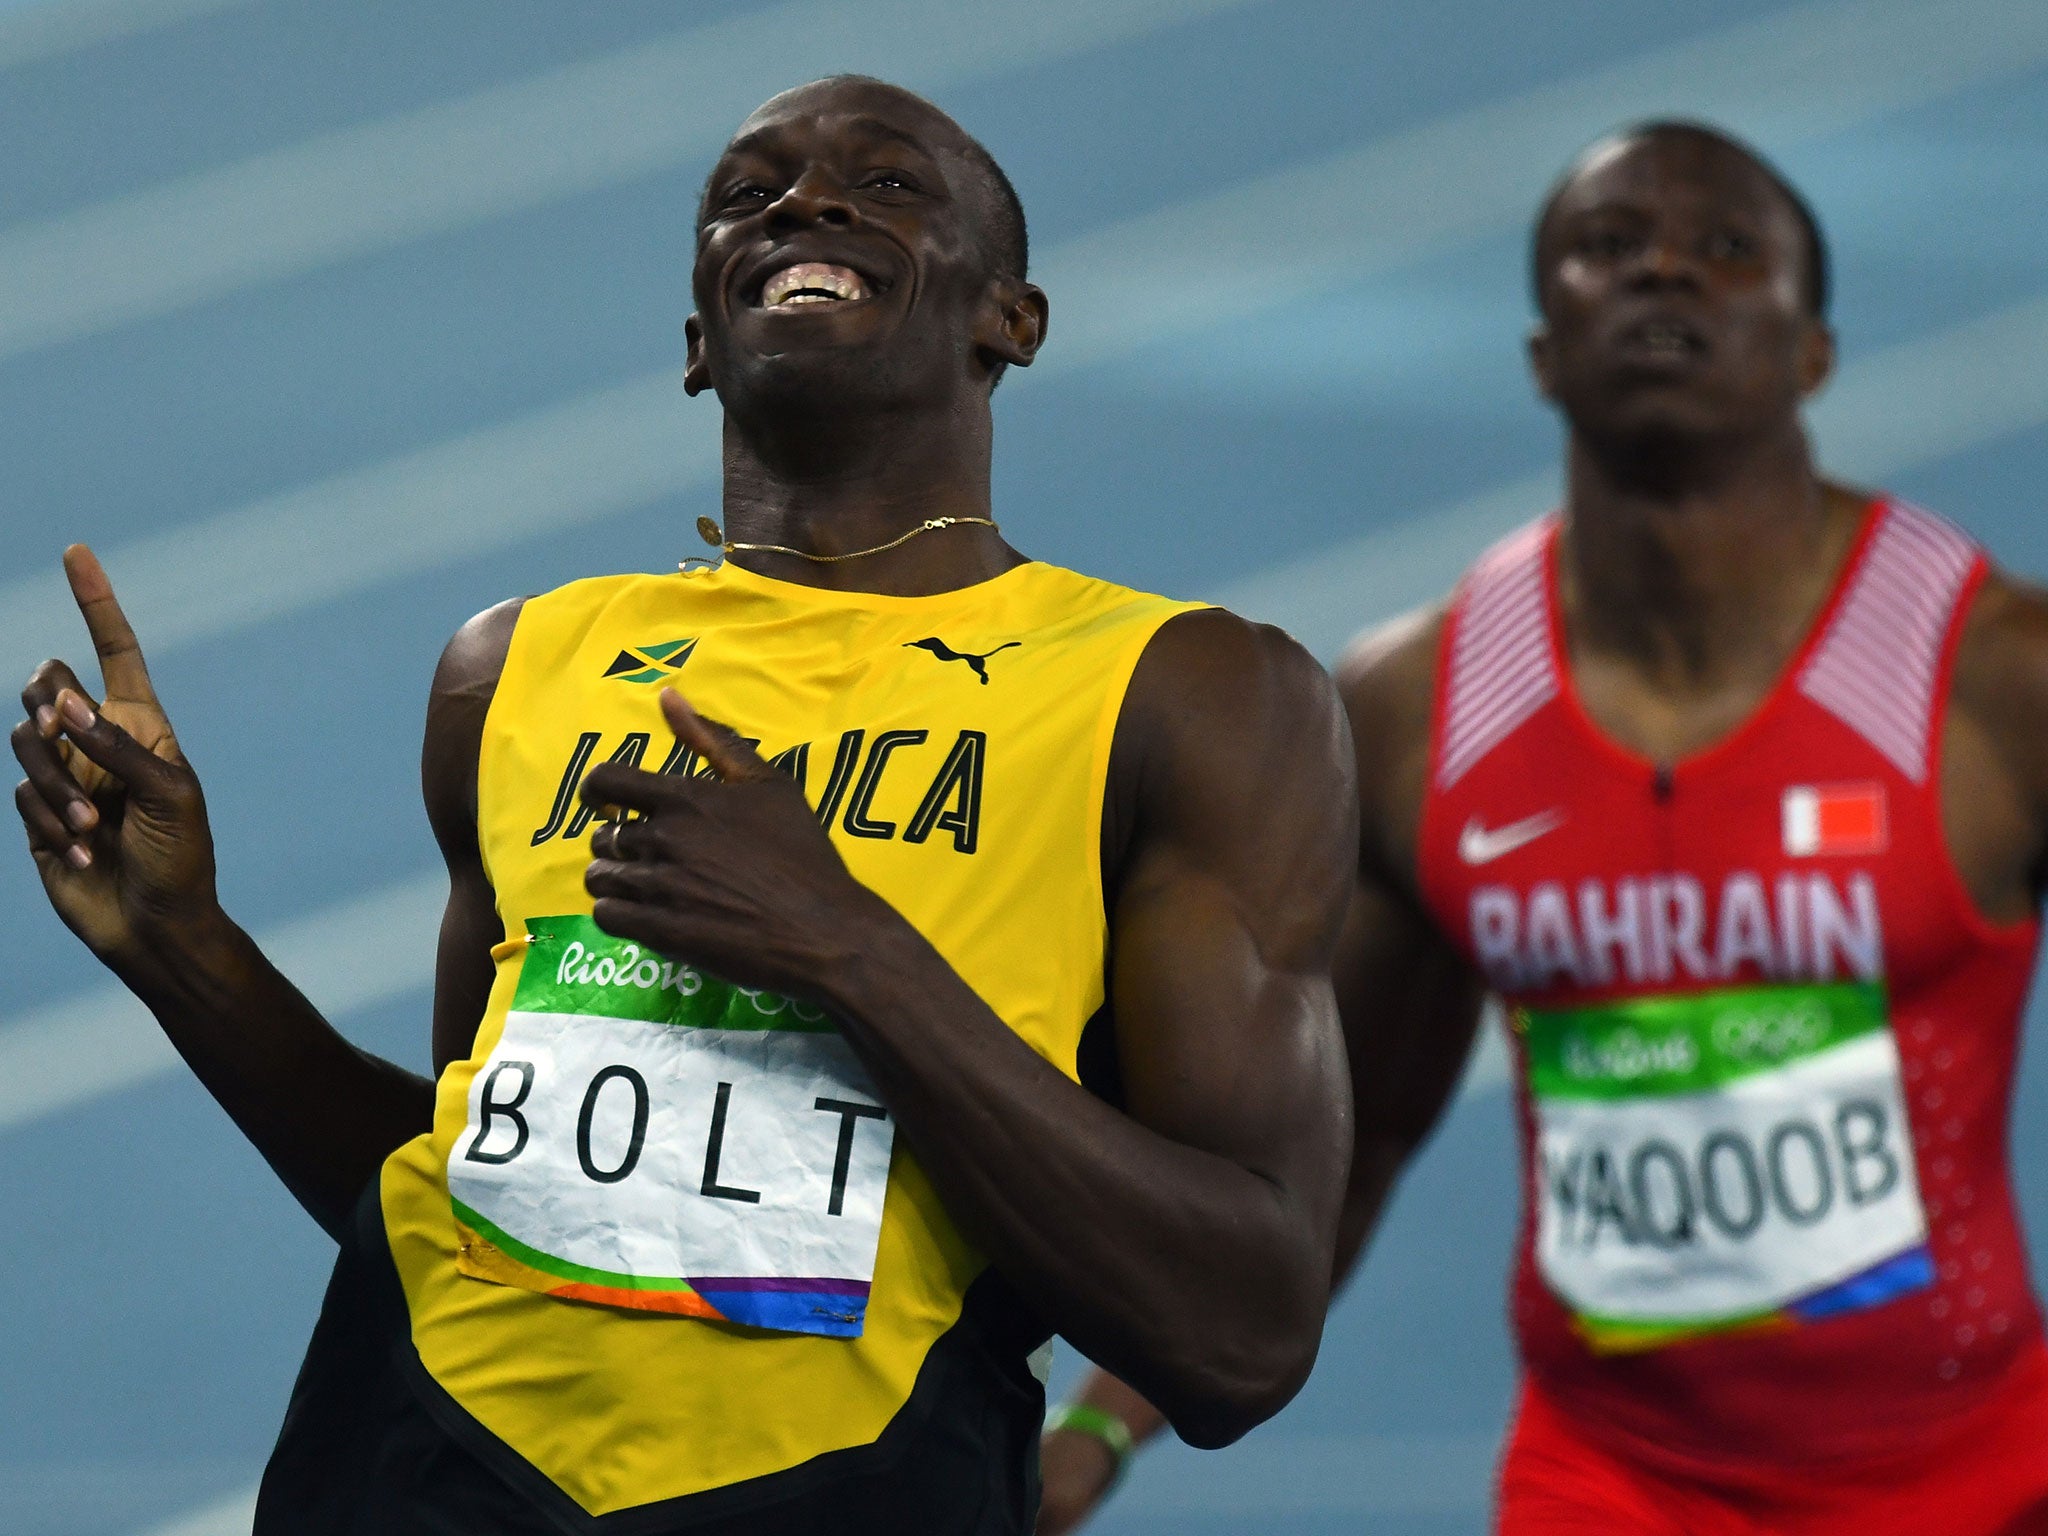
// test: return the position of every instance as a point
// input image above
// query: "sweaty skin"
(1184, 1238)
(1699, 545)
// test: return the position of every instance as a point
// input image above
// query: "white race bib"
(1721, 1159)
(646, 1136)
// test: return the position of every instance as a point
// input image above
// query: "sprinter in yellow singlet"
(797, 1077)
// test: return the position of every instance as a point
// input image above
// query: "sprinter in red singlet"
(1732, 783)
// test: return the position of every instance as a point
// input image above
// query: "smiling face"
(1676, 297)
(845, 258)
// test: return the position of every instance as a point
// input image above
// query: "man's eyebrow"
(744, 144)
(881, 128)
(1756, 210)
(760, 140)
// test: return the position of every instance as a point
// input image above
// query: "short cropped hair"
(1817, 276)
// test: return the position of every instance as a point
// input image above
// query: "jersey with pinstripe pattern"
(1801, 857)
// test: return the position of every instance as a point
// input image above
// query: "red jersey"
(1765, 1041)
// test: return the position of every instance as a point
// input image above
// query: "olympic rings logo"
(1771, 1034)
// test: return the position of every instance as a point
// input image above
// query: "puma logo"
(977, 662)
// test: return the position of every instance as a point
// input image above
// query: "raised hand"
(115, 818)
(732, 873)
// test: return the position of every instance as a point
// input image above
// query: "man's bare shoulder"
(1217, 698)
(1387, 675)
(465, 683)
(2001, 675)
(1212, 663)
(474, 658)
(1232, 749)
(1387, 678)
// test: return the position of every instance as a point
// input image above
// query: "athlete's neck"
(831, 487)
(1699, 577)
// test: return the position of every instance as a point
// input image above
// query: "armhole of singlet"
(1095, 1044)
(1440, 681)
(1123, 666)
(1439, 709)
(522, 633)
(1965, 900)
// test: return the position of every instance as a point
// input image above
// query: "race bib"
(1721, 1160)
(647, 1136)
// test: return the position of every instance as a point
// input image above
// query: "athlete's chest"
(1804, 846)
(1561, 867)
(954, 749)
(1757, 1021)
(911, 741)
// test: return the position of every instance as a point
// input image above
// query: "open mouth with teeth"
(811, 283)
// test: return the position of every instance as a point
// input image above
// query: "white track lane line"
(1809, 70)
(385, 183)
(229, 1516)
(55, 27)
(1910, 405)
(1332, 224)
(349, 957)
(1372, 210)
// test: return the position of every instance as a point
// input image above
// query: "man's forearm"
(323, 1114)
(1374, 1174)
(1086, 1449)
(1108, 1394)
(1199, 1280)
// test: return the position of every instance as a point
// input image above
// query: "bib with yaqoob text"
(1722, 1159)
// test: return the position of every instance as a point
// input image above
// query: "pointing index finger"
(718, 745)
(121, 663)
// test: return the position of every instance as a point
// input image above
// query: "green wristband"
(1099, 1424)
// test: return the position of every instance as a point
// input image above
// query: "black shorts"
(373, 1446)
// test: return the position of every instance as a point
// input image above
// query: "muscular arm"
(1187, 1240)
(322, 1113)
(260, 1048)
(1411, 1008)
(464, 685)
(1995, 750)
(263, 1042)
(1408, 1002)
(1184, 1241)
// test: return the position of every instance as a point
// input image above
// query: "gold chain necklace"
(714, 535)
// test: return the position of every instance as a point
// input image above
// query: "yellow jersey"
(616, 1259)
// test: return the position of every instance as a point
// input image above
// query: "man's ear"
(1816, 358)
(1012, 325)
(696, 372)
(1539, 361)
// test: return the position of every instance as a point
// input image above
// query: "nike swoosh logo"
(1477, 845)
